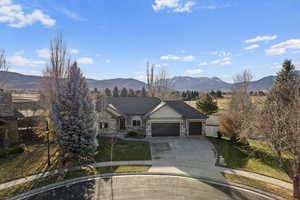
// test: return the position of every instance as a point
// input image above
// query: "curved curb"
(70, 182)
(64, 170)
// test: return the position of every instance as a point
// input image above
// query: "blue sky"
(113, 38)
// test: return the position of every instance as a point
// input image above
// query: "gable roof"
(133, 105)
(185, 110)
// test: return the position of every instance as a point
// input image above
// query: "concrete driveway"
(194, 156)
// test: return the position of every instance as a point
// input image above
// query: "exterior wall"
(6, 105)
(165, 112)
(129, 126)
(106, 117)
(9, 133)
(212, 131)
(7, 111)
(166, 115)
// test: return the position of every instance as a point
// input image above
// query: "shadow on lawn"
(237, 155)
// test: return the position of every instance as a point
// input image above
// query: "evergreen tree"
(286, 81)
(144, 92)
(131, 93)
(75, 117)
(124, 92)
(287, 74)
(107, 92)
(207, 105)
(115, 92)
(219, 94)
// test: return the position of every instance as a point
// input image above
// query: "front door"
(122, 124)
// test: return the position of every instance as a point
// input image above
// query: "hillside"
(21, 81)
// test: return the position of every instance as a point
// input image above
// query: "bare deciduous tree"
(53, 83)
(236, 122)
(150, 80)
(3, 67)
(159, 84)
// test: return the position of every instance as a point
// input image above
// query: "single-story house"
(148, 116)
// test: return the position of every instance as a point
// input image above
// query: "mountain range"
(20, 81)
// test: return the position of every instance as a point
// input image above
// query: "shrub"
(219, 135)
(230, 125)
(3, 153)
(132, 134)
(17, 149)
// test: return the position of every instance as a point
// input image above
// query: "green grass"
(254, 158)
(267, 187)
(123, 150)
(25, 187)
(34, 160)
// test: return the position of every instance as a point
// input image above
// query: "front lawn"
(123, 150)
(34, 159)
(25, 187)
(254, 158)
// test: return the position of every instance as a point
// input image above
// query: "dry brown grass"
(223, 103)
(277, 190)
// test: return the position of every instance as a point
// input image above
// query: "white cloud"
(85, 60)
(254, 46)
(203, 64)
(174, 5)
(43, 53)
(72, 15)
(187, 7)
(19, 60)
(74, 51)
(191, 72)
(5, 2)
(223, 61)
(261, 38)
(14, 16)
(107, 61)
(161, 65)
(282, 47)
(178, 58)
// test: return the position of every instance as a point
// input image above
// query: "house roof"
(185, 110)
(133, 105)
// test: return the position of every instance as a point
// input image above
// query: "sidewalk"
(260, 177)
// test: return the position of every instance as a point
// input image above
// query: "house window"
(103, 125)
(136, 122)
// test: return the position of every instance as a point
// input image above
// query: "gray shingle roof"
(186, 110)
(133, 105)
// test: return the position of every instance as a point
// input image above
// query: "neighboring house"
(148, 116)
(8, 120)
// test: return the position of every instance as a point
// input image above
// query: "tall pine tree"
(124, 92)
(207, 105)
(77, 119)
(115, 92)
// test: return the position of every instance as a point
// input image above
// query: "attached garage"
(195, 128)
(165, 129)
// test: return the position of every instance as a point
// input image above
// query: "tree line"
(124, 92)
